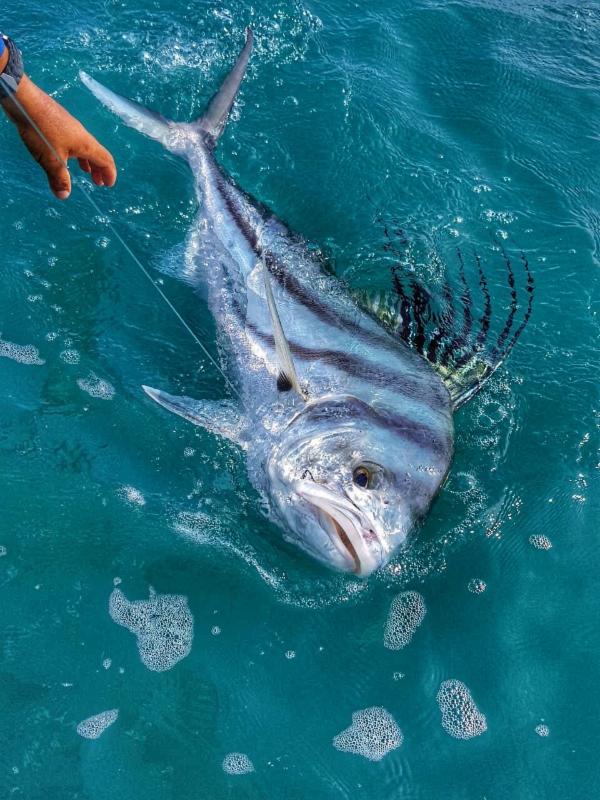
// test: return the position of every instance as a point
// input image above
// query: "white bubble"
(237, 764)
(481, 187)
(132, 495)
(215, 630)
(477, 586)
(96, 387)
(116, 581)
(51, 336)
(373, 734)
(188, 452)
(23, 353)
(289, 654)
(93, 727)
(540, 542)
(70, 356)
(460, 716)
(407, 612)
(542, 730)
(397, 676)
(163, 625)
(3, 550)
(107, 663)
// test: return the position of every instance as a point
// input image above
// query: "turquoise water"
(468, 123)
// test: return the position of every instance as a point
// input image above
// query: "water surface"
(467, 124)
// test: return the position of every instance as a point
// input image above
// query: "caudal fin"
(214, 119)
(167, 132)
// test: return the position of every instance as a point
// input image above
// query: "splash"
(94, 727)
(460, 716)
(373, 734)
(406, 613)
(163, 625)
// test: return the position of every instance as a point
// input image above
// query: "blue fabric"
(2, 46)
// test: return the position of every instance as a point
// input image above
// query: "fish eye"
(361, 477)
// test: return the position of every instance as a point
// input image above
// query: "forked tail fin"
(172, 134)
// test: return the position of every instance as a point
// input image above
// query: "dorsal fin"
(443, 332)
(214, 119)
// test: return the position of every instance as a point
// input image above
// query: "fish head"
(349, 481)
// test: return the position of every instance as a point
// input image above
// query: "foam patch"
(237, 764)
(477, 586)
(23, 353)
(460, 716)
(406, 613)
(93, 727)
(163, 625)
(540, 542)
(96, 387)
(70, 356)
(132, 495)
(373, 734)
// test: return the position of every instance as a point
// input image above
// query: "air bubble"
(289, 654)
(3, 550)
(107, 663)
(542, 730)
(215, 630)
(373, 734)
(460, 716)
(407, 612)
(163, 625)
(93, 727)
(237, 764)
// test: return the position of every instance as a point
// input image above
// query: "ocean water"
(139, 579)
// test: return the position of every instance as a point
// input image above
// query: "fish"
(345, 417)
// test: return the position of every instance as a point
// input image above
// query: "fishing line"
(119, 238)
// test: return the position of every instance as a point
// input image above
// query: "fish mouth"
(348, 529)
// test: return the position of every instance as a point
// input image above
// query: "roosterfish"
(344, 407)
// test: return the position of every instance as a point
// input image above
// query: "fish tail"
(173, 135)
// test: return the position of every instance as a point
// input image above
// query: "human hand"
(66, 136)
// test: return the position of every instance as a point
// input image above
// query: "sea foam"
(163, 626)
(407, 612)
(372, 734)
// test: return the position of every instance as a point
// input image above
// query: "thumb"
(58, 177)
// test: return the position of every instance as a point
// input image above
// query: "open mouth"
(349, 531)
(340, 536)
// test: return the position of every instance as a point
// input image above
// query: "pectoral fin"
(222, 417)
(288, 377)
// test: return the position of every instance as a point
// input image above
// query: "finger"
(58, 177)
(97, 176)
(100, 161)
(84, 164)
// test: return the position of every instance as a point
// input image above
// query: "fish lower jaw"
(349, 540)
